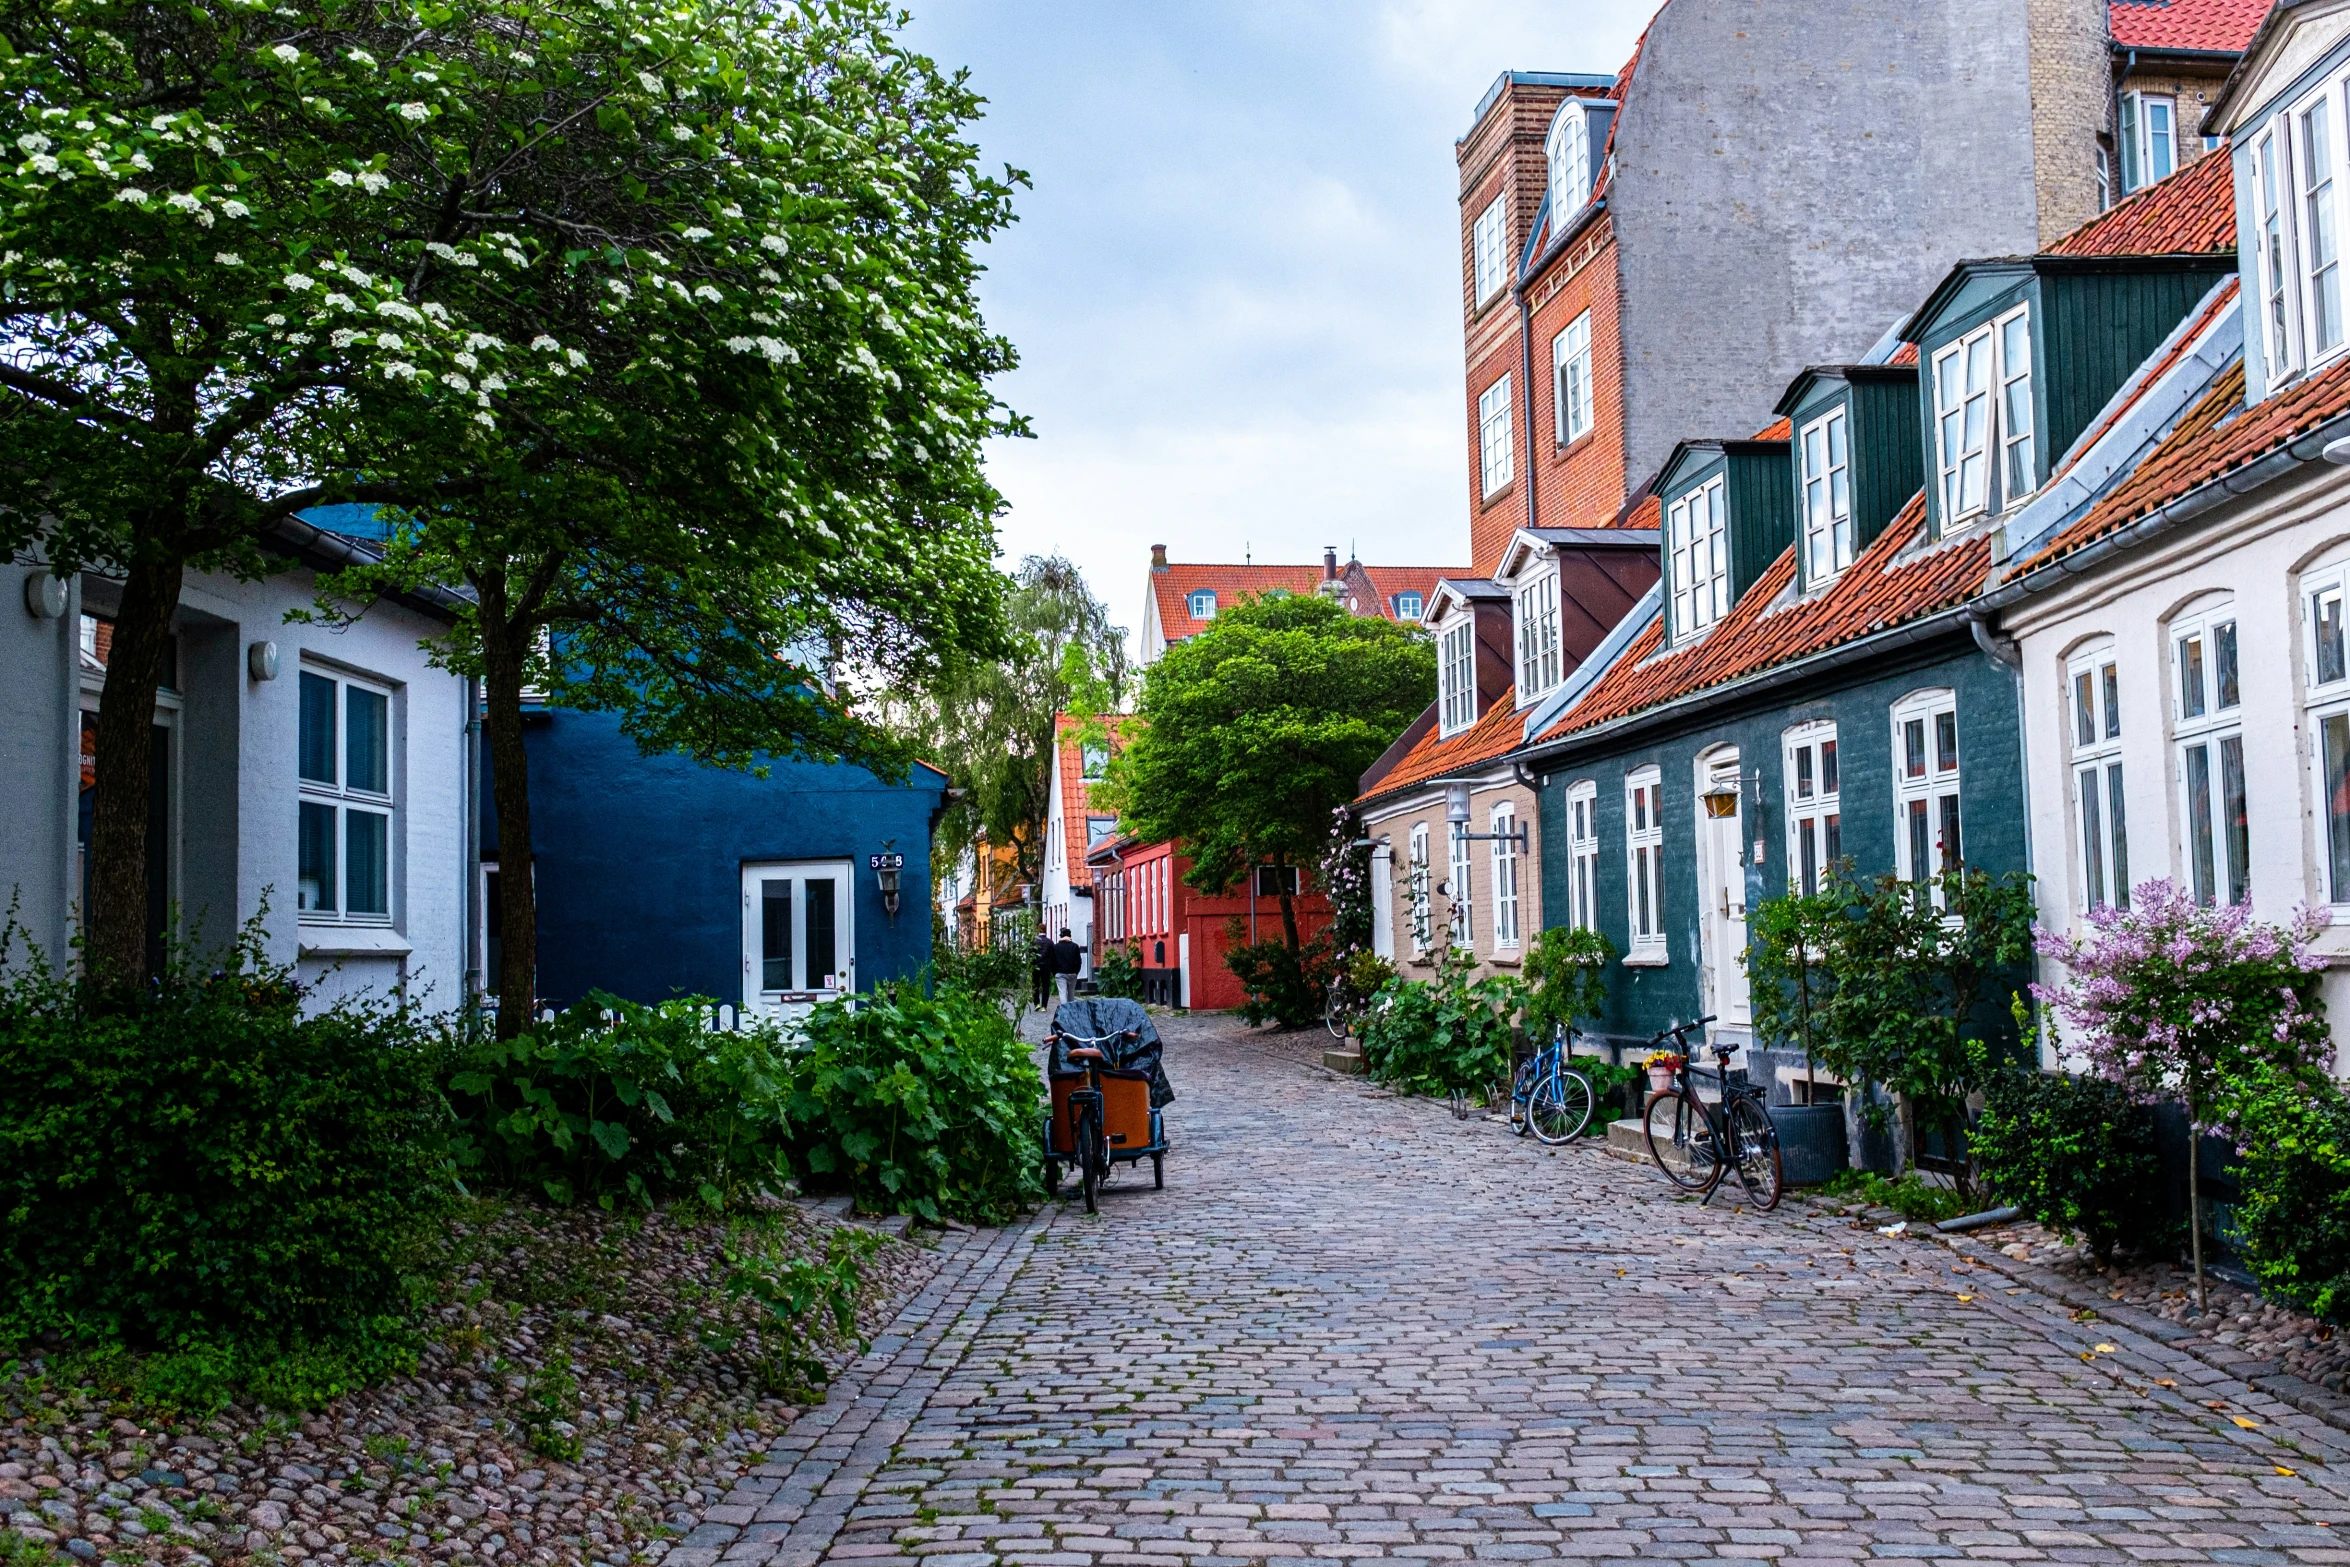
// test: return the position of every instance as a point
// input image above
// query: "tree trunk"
(1288, 906)
(504, 649)
(114, 949)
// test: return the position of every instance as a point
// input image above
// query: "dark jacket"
(1045, 958)
(1068, 957)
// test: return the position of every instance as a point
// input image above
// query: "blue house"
(659, 877)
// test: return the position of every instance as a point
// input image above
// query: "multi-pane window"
(1568, 150)
(2208, 731)
(1644, 855)
(1504, 825)
(1570, 363)
(1926, 785)
(1697, 542)
(1460, 896)
(344, 828)
(2272, 187)
(1094, 760)
(1416, 888)
(2321, 242)
(1815, 812)
(1203, 604)
(1827, 498)
(1456, 669)
(2093, 713)
(2149, 138)
(1970, 423)
(1583, 856)
(1407, 606)
(1493, 436)
(1538, 636)
(2328, 683)
(1486, 251)
(2296, 204)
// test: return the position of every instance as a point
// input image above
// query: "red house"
(1181, 936)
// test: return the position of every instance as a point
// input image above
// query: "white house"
(325, 773)
(1074, 828)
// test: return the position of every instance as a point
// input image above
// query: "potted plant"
(1661, 1067)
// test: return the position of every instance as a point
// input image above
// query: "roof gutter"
(2307, 451)
(335, 550)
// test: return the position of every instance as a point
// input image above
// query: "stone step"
(1349, 1061)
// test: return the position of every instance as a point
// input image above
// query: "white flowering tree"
(651, 324)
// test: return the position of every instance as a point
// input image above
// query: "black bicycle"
(1698, 1144)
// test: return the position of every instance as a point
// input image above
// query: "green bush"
(2293, 1185)
(1278, 985)
(1120, 972)
(648, 1106)
(2075, 1153)
(1566, 979)
(1444, 1035)
(927, 1106)
(998, 971)
(1911, 1197)
(203, 1166)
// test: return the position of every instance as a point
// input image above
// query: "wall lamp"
(1456, 815)
(886, 869)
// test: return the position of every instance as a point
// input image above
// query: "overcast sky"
(1234, 287)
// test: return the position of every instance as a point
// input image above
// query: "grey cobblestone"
(1354, 1329)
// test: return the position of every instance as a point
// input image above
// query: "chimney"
(1158, 557)
(1329, 563)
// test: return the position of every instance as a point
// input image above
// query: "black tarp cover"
(1092, 1017)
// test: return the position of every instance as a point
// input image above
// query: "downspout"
(1526, 356)
(471, 872)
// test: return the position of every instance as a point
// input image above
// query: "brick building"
(1182, 597)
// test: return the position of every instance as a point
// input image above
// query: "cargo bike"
(1108, 1089)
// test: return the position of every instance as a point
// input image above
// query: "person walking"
(1041, 963)
(1068, 963)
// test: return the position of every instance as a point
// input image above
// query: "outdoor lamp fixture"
(2337, 451)
(1721, 801)
(885, 868)
(1456, 815)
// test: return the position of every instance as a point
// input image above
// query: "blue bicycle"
(1549, 1098)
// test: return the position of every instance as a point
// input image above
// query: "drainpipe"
(1526, 356)
(471, 882)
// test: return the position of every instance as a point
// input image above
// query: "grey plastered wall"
(1792, 179)
(39, 774)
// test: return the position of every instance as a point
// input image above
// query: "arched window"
(1569, 151)
(1203, 604)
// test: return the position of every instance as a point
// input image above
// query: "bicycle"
(1341, 1007)
(1700, 1134)
(1101, 1115)
(1549, 1098)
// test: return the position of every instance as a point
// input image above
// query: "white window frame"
(1971, 461)
(345, 801)
(758, 995)
(2325, 622)
(1201, 602)
(1582, 807)
(1824, 448)
(1487, 260)
(1538, 635)
(2207, 744)
(1093, 760)
(2276, 247)
(1502, 823)
(1698, 556)
(2091, 710)
(1927, 785)
(1408, 606)
(1567, 156)
(1570, 374)
(1809, 760)
(1416, 891)
(1496, 435)
(2149, 138)
(1644, 854)
(1460, 886)
(1456, 665)
(2317, 213)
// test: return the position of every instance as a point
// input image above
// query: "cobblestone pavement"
(1354, 1328)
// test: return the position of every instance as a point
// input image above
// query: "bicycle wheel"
(1334, 1010)
(1754, 1144)
(1090, 1154)
(1561, 1106)
(1681, 1140)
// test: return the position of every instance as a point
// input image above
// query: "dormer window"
(1203, 604)
(1407, 606)
(2149, 139)
(1094, 761)
(1538, 636)
(1486, 251)
(1698, 558)
(1456, 670)
(1568, 150)
(1983, 404)
(2321, 240)
(1827, 497)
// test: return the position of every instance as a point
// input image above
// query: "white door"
(1383, 902)
(799, 935)
(1722, 864)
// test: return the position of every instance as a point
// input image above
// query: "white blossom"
(556, 369)
(516, 257)
(484, 420)
(372, 182)
(767, 275)
(545, 343)
(493, 382)
(273, 319)
(576, 357)
(360, 57)
(740, 345)
(234, 209)
(437, 312)
(287, 52)
(423, 76)
(774, 242)
(456, 382)
(682, 132)
(648, 81)
(297, 338)
(618, 288)
(466, 258)
(357, 276)
(466, 361)
(161, 122)
(437, 248)
(216, 146)
(399, 370)
(709, 293)
(777, 352)
(524, 60)
(139, 162)
(344, 337)
(338, 177)
(413, 113)
(181, 201)
(228, 258)
(132, 194)
(32, 141)
(730, 211)
(398, 309)
(697, 232)
(389, 340)
(340, 302)
(42, 163)
(481, 340)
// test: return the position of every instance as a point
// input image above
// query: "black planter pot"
(1812, 1145)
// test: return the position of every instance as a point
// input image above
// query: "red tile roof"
(1069, 757)
(1174, 587)
(2192, 211)
(1495, 735)
(1391, 580)
(1876, 591)
(2200, 26)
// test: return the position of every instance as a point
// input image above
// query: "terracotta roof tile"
(1173, 588)
(1391, 580)
(1879, 590)
(2192, 211)
(1495, 735)
(1069, 757)
(2203, 26)
(1906, 354)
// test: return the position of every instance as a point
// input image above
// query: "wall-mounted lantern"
(261, 660)
(44, 595)
(1721, 801)
(886, 869)
(1456, 816)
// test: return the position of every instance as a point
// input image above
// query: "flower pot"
(1660, 1078)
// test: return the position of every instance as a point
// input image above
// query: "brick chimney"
(1329, 563)
(1158, 557)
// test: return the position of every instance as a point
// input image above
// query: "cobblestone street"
(1353, 1327)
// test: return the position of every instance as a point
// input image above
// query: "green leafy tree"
(990, 722)
(652, 323)
(1788, 944)
(1566, 978)
(1255, 731)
